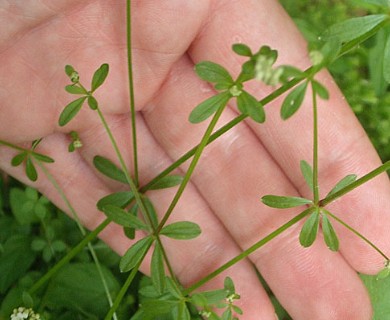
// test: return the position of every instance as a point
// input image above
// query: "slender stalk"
(131, 91)
(70, 255)
(250, 250)
(315, 146)
(191, 168)
(383, 168)
(357, 233)
(12, 146)
(82, 230)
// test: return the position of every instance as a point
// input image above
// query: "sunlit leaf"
(307, 172)
(209, 107)
(242, 49)
(166, 182)
(99, 76)
(31, 172)
(124, 218)
(309, 230)
(213, 72)
(75, 89)
(181, 230)
(293, 101)
(69, 70)
(347, 180)
(134, 255)
(109, 169)
(71, 111)
(283, 202)
(379, 292)
(383, 274)
(119, 199)
(249, 105)
(330, 235)
(158, 269)
(353, 28)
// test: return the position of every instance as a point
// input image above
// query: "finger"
(191, 260)
(234, 171)
(343, 146)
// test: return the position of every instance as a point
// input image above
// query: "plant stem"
(315, 146)
(71, 254)
(191, 168)
(250, 250)
(13, 146)
(131, 92)
(384, 167)
(357, 233)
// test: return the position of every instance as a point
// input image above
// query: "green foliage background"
(34, 234)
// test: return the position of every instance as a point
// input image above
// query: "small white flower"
(22, 313)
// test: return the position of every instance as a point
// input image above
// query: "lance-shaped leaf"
(151, 210)
(19, 159)
(70, 111)
(109, 169)
(42, 157)
(157, 308)
(386, 60)
(307, 172)
(309, 230)
(213, 72)
(353, 28)
(209, 107)
(320, 90)
(249, 105)
(381, 3)
(130, 232)
(182, 230)
(347, 180)
(293, 101)
(242, 50)
(385, 272)
(124, 218)
(120, 199)
(134, 255)
(31, 172)
(92, 102)
(282, 202)
(75, 89)
(99, 76)
(330, 235)
(158, 269)
(166, 182)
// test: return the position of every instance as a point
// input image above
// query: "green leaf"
(28, 301)
(134, 255)
(151, 210)
(181, 230)
(249, 105)
(309, 230)
(347, 180)
(166, 182)
(109, 169)
(23, 214)
(383, 274)
(377, 55)
(293, 101)
(99, 76)
(381, 3)
(242, 50)
(78, 287)
(42, 157)
(155, 308)
(19, 159)
(130, 232)
(320, 90)
(75, 89)
(92, 102)
(353, 28)
(213, 72)
(330, 235)
(31, 172)
(70, 111)
(289, 72)
(209, 106)
(124, 218)
(379, 292)
(283, 202)
(229, 285)
(119, 199)
(307, 172)
(158, 269)
(386, 60)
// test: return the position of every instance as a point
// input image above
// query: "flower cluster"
(22, 313)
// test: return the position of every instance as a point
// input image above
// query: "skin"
(38, 38)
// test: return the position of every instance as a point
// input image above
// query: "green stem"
(250, 250)
(71, 254)
(315, 146)
(357, 233)
(383, 168)
(81, 228)
(131, 91)
(13, 146)
(191, 168)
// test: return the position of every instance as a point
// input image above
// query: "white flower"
(22, 313)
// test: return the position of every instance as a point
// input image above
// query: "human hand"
(251, 160)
